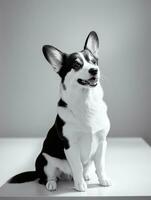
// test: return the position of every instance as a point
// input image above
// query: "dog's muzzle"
(92, 82)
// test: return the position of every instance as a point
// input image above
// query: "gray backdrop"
(28, 85)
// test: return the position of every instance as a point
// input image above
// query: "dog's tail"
(24, 177)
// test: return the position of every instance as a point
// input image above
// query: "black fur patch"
(62, 103)
(55, 142)
(75, 61)
(65, 68)
(41, 162)
(89, 57)
(72, 61)
(53, 145)
(59, 126)
(24, 177)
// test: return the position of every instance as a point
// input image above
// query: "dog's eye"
(93, 61)
(77, 65)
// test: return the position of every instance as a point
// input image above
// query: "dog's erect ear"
(53, 56)
(92, 43)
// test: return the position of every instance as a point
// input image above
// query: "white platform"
(128, 165)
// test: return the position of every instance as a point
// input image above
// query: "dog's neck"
(79, 95)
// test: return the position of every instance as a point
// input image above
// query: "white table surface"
(128, 163)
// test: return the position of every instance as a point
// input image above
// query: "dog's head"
(77, 69)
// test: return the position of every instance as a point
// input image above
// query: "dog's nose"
(93, 71)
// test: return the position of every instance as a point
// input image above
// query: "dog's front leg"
(73, 157)
(99, 160)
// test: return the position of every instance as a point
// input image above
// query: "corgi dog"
(78, 136)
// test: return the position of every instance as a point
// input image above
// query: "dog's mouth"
(92, 82)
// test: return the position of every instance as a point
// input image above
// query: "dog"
(78, 136)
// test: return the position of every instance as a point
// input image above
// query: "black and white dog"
(78, 136)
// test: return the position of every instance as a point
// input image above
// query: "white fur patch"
(86, 120)
(57, 164)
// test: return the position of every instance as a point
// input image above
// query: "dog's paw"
(51, 185)
(105, 182)
(80, 186)
(86, 177)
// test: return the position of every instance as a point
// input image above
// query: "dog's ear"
(53, 56)
(92, 43)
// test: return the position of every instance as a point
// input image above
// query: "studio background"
(28, 84)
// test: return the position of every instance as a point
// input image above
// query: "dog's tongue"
(92, 81)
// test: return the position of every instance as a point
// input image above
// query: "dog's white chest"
(87, 111)
(91, 115)
(85, 121)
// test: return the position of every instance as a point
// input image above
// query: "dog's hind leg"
(56, 168)
(51, 172)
